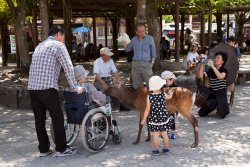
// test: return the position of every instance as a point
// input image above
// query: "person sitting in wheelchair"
(95, 96)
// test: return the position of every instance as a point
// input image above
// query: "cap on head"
(80, 72)
(196, 44)
(156, 83)
(106, 51)
(167, 75)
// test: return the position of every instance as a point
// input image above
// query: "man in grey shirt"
(143, 46)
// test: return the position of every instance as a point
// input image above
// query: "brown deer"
(182, 102)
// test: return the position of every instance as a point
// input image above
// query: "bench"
(243, 76)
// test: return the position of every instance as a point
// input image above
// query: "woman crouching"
(217, 97)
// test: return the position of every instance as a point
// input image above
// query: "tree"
(43, 7)
(141, 11)
(4, 19)
(153, 22)
(242, 16)
(18, 15)
(32, 9)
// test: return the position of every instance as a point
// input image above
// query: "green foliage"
(31, 4)
(4, 10)
(167, 18)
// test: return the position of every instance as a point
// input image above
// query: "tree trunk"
(67, 15)
(130, 29)
(219, 25)
(141, 11)
(240, 21)
(115, 25)
(21, 35)
(18, 63)
(202, 32)
(177, 32)
(19, 14)
(210, 27)
(94, 36)
(182, 33)
(34, 27)
(106, 31)
(153, 23)
(43, 7)
(4, 41)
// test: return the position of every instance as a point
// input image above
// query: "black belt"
(105, 77)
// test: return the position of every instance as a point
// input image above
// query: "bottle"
(207, 65)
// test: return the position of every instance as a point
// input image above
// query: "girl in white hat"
(156, 111)
(81, 78)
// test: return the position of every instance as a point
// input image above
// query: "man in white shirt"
(104, 66)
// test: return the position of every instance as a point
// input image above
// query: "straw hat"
(106, 51)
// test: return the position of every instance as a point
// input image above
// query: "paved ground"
(222, 142)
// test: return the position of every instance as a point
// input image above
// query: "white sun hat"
(156, 83)
(167, 75)
(80, 72)
(106, 51)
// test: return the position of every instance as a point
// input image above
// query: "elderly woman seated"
(217, 97)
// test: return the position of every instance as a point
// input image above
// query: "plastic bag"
(124, 37)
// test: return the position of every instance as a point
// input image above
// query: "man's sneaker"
(165, 151)
(46, 153)
(172, 136)
(156, 152)
(67, 152)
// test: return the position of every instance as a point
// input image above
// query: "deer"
(181, 102)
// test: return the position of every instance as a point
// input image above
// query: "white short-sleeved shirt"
(104, 69)
(192, 56)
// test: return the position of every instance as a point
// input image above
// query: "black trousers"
(216, 99)
(42, 100)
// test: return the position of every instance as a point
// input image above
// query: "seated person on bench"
(94, 95)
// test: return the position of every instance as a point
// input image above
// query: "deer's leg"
(232, 90)
(194, 122)
(139, 133)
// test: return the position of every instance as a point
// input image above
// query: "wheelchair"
(95, 124)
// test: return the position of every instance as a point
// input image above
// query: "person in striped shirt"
(217, 97)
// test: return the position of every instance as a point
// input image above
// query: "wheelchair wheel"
(95, 130)
(71, 131)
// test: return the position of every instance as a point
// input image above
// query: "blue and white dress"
(159, 119)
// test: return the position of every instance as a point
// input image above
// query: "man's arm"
(153, 50)
(128, 46)
(66, 63)
(116, 75)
